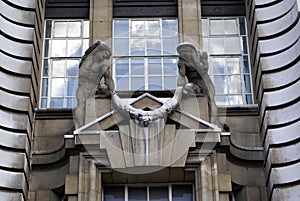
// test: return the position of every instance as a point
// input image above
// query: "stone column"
(101, 21)
(189, 15)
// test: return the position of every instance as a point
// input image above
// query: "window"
(163, 192)
(144, 52)
(226, 42)
(65, 42)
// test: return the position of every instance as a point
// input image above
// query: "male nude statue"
(193, 74)
(93, 66)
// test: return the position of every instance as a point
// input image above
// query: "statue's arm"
(182, 70)
(204, 61)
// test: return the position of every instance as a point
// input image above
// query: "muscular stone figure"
(93, 66)
(193, 76)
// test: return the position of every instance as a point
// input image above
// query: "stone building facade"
(251, 154)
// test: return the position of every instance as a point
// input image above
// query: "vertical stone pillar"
(189, 14)
(89, 183)
(274, 31)
(208, 180)
(101, 21)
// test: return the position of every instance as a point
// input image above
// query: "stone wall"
(274, 28)
(21, 42)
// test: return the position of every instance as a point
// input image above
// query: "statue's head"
(102, 51)
(99, 49)
(186, 50)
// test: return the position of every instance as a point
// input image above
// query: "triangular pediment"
(145, 102)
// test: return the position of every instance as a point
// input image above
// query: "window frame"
(50, 59)
(241, 55)
(145, 57)
(148, 186)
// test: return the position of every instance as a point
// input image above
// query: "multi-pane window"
(226, 42)
(65, 42)
(144, 52)
(168, 192)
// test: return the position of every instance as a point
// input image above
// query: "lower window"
(163, 192)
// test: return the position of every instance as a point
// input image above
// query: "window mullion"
(146, 73)
(148, 193)
(170, 192)
(126, 192)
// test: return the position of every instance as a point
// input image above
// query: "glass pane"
(247, 83)
(46, 48)
(43, 103)
(58, 48)
(205, 43)
(216, 45)
(74, 48)
(60, 29)
(154, 67)
(56, 102)
(244, 45)
(152, 28)
(121, 28)
(170, 66)
(170, 82)
(235, 100)
(235, 84)
(48, 28)
(218, 65)
(122, 67)
(71, 102)
(249, 99)
(57, 87)
(158, 194)
(72, 67)
(153, 47)
(58, 68)
(155, 83)
(137, 83)
(233, 66)
(137, 194)
(137, 66)
(230, 26)
(216, 27)
(137, 28)
(232, 45)
(85, 46)
(122, 83)
(205, 27)
(86, 29)
(246, 64)
(170, 28)
(182, 193)
(221, 100)
(121, 46)
(169, 46)
(46, 68)
(220, 84)
(242, 26)
(137, 47)
(114, 193)
(45, 87)
(74, 29)
(71, 86)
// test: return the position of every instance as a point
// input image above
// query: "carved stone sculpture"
(193, 73)
(144, 118)
(94, 65)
